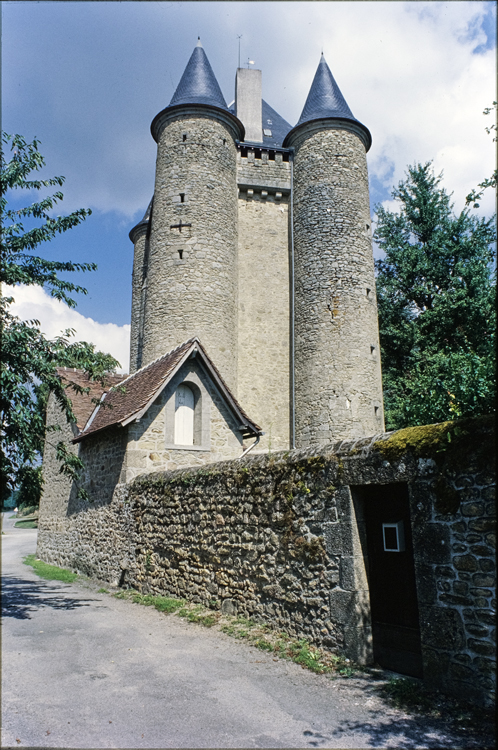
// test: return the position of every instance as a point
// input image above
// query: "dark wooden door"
(391, 576)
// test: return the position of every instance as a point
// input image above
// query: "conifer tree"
(436, 298)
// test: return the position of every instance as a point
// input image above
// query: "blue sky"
(87, 78)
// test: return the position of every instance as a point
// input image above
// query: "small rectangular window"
(393, 535)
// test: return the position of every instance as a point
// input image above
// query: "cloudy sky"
(87, 78)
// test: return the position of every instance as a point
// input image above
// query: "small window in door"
(393, 535)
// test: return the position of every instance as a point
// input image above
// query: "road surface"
(85, 670)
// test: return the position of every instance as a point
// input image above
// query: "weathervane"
(239, 36)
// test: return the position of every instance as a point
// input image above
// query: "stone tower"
(338, 388)
(185, 270)
(258, 242)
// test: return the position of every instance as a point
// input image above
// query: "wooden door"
(391, 578)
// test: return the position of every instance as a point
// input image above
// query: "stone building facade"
(257, 241)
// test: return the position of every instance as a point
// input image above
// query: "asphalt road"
(86, 670)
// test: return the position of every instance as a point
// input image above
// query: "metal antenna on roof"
(239, 38)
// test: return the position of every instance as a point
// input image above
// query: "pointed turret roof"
(325, 101)
(198, 84)
(143, 223)
(198, 87)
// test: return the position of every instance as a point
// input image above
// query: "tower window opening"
(257, 153)
(367, 227)
(377, 411)
(271, 155)
(243, 152)
(224, 141)
(184, 415)
(285, 157)
(369, 293)
(180, 254)
(372, 350)
(182, 197)
(184, 137)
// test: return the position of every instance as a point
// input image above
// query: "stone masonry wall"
(263, 339)
(276, 538)
(138, 292)
(337, 371)
(192, 272)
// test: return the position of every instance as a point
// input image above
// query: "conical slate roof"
(143, 223)
(198, 84)
(325, 101)
(325, 98)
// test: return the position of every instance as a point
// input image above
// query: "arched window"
(184, 416)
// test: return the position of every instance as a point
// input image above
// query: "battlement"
(263, 170)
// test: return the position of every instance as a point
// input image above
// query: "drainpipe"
(258, 438)
(292, 364)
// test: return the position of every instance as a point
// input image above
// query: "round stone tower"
(338, 387)
(139, 235)
(191, 274)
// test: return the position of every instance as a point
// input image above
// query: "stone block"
(483, 648)
(465, 562)
(433, 544)
(479, 579)
(442, 628)
(435, 665)
(338, 538)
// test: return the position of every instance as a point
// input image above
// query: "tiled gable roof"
(131, 399)
(84, 403)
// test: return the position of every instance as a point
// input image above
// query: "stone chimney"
(248, 106)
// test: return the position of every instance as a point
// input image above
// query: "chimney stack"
(248, 107)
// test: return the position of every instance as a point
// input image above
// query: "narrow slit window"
(180, 254)
(184, 137)
(182, 197)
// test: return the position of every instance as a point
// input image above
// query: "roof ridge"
(162, 356)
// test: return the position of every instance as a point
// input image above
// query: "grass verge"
(256, 634)
(26, 524)
(49, 572)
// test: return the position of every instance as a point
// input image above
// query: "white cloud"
(408, 70)
(33, 303)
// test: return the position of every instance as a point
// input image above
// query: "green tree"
(436, 298)
(489, 182)
(29, 360)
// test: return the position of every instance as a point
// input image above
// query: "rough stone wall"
(337, 371)
(138, 291)
(277, 538)
(264, 368)
(57, 487)
(92, 535)
(195, 294)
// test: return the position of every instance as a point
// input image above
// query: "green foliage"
(30, 485)
(50, 572)
(29, 360)
(436, 298)
(489, 182)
